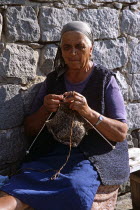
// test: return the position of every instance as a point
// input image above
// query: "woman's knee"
(9, 202)
(2, 194)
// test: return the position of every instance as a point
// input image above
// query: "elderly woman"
(58, 177)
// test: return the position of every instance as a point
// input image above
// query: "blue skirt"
(73, 189)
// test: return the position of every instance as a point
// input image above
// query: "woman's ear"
(91, 49)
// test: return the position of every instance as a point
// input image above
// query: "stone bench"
(106, 196)
(134, 162)
(134, 159)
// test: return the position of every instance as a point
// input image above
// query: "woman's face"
(76, 50)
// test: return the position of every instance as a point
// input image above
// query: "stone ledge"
(12, 2)
(134, 159)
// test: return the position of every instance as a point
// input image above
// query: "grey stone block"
(131, 22)
(11, 106)
(124, 201)
(111, 53)
(81, 2)
(134, 66)
(121, 1)
(133, 116)
(1, 47)
(121, 80)
(129, 140)
(135, 84)
(118, 5)
(12, 2)
(22, 24)
(47, 1)
(12, 145)
(104, 22)
(18, 61)
(124, 188)
(28, 96)
(47, 58)
(135, 142)
(135, 7)
(1, 23)
(35, 46)
(52, 20)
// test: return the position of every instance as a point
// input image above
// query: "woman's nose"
(74, 51)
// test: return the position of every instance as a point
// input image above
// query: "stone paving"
(124, 202)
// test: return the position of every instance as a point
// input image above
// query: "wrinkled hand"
(52, 102)
(77, 102)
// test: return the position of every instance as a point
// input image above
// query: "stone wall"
(29, 34)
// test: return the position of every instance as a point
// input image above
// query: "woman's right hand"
(52, 102)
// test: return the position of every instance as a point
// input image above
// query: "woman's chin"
(74, 67)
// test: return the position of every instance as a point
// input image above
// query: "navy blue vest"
(111, 164)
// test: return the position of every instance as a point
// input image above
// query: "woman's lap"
(74, 189)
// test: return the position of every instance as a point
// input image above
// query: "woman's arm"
(34, 122)
(113, 130)
(110, 127)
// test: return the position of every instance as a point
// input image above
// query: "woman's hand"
(77, 102)
(52, 102)
(33, 123)
(112, 129)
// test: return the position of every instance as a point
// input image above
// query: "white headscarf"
(79, 26)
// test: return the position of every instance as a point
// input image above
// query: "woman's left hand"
(112, 129)
(77, 102)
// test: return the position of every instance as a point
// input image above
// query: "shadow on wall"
(14, 105)
(11, 106)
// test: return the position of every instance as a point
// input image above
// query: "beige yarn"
(60, 126)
